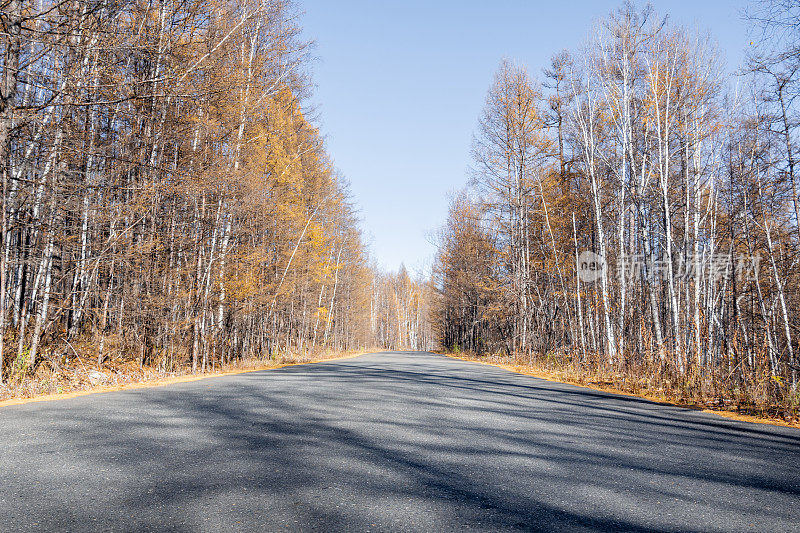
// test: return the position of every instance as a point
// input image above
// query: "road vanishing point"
(396, 441)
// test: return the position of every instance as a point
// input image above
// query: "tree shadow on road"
(373, 445)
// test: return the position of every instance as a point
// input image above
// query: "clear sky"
(400, 86)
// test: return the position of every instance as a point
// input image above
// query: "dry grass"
(689, 392)
(81, 374)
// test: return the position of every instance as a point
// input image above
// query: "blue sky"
(400, 86)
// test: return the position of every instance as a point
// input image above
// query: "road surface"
(391, 441)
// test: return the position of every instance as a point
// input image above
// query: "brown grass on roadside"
(80, 374)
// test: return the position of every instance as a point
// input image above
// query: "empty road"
(390, 441)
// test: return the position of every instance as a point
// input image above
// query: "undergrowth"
(78, 370)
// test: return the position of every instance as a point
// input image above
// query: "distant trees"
(164, 195)
(686, 193)
(400, 311)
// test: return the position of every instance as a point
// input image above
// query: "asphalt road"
(390, 441)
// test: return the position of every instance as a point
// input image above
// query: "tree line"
(400, 311)
(166, 198)
(635, 211)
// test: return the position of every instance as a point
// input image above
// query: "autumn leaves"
(165, 197)
(631, 148)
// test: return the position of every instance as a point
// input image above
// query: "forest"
(166, 199)
(631, 215)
